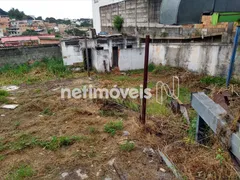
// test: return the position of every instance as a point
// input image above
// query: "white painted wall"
(71, 54)
(212, 59)
(96, 11)
(98, 58)
(130, 59)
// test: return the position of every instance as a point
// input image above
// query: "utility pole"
(87, 57)
(145, 80)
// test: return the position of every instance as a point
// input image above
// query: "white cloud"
(73, 9)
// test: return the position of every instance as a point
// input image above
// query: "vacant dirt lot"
(47, 137)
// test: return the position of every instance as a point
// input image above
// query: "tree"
(2, 12)
(16, 14)
(39, 18)
(86, 24)
(29, 32)
(51, 20)
(118, 23)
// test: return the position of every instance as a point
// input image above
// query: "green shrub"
(210, 80)
(118, 23)
(127, 146)
(151, 67)
(23, 172)
(162, 69)
(113, 126)
(57, 142)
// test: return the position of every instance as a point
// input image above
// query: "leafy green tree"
(39, 18)
(29, 32)
(16, 14)
(51, 20)
(118, 23)
(86, 24)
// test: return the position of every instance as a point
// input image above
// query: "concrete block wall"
(20, 55)
(142, 17)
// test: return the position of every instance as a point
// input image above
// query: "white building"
(96, 11)
(1, 33)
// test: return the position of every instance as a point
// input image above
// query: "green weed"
(113, 126)
(210, 80)
(58, 142)
(47, 111)
(3, 96)
(22, 142)
(4, 93)
(192, 129)
(128, 104)
(162, 69)
(3, 100)
(184, 95)
(92, 130)
(220, 156)
(23, 172)
(2, 145)
(127, 146)
(156, 109)
(151, 67)
(48, 68)
(2, 157)
(17, 124)
(113, 113)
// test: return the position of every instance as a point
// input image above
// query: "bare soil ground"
(42, 115)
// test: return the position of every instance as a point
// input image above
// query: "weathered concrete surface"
(212, 59)
(20, 55)
(207, 58)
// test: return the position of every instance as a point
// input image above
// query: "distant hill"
(2, 12)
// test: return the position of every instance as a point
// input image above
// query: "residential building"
(4, 23)
(1, 33)
(50, 26)
(62, 28)
(18, 27)
(28, 40)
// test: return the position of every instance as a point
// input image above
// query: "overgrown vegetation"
(26, 140)
(58, 142)
(162, 69)
(47, 111)
(113, 126)
(41, 70)
(192, 129)
(184, 95)
(3, 96)
(127, 146)
(217, 81)
(128, 104)
(156, 109)
(210, 80)
(220, 156)
(22, 172)
(118, 23)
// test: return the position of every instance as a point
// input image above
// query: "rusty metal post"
(87, 58)
(145, 80)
